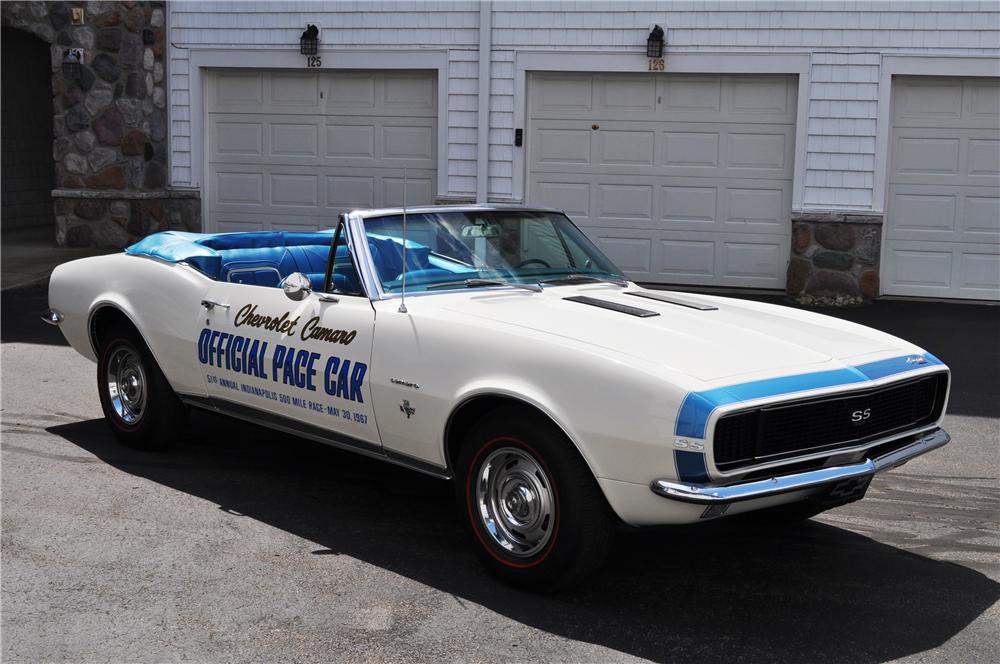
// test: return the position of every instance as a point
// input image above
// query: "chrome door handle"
(209, 304)
(324, 297)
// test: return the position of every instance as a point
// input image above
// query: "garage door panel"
(419, 189)
(296, 90)
(755, 209)
(561, 93)
(621, 147)
(631, 254)
(981, 217)
(691, 95)
(412, 143)
(954, 270)
(562, 146)
(351, 191)
(927, 102)
(571, 197)
(624, 201)
(690, 149)
(238, 138)
(757, 152)
(682, 206)
(687, 260)
(236, 91)
(294, 139)
(984, 102)
(350, 141)
(294, 190)
(752, 263)
(926, 155)
(760, 97)
(919, 212)
(234, 188)
(348, 92)
(984, 159)
(626, 94)
(296, 148)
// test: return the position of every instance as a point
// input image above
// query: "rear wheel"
(535, 512)
(138, 403)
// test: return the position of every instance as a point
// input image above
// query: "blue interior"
(265, 258)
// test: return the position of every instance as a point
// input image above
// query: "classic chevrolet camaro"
(498, 347)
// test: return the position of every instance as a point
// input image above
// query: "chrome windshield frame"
(369, 276)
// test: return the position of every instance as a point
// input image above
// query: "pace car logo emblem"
(916, 359)
(861, 415)
(405, 407)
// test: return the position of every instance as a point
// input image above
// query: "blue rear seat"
(265, 258)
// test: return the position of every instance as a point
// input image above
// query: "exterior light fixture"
(654, 43)
(309, 42)
(71, 65)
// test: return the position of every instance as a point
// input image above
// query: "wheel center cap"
(519, 501)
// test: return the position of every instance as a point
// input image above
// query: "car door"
(300, 365)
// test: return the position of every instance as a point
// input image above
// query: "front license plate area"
(843, 492)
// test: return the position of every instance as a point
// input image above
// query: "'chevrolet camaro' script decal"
(247, 315)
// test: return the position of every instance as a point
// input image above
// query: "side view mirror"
(296, 286)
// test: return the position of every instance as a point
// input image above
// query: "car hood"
(738, 337)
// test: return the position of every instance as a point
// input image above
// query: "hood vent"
(613, 306)
(673, 300)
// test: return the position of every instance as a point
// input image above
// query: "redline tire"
(535, 514)
(139, 405)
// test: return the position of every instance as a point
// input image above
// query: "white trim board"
(336, 59)
(677, 63)
(914, 65)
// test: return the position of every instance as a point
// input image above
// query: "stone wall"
(110, 125)
(835, 258)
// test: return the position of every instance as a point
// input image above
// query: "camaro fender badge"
(916, 359)
(404, 383)
(405, 407)
(684, 444)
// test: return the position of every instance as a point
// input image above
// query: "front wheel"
(536, 514)
(138, 403)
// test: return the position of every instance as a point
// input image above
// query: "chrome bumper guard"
(52, 317)
(700, 494)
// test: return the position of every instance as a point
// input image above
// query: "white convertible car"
(498, 347)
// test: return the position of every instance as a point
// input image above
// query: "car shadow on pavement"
(726, 589)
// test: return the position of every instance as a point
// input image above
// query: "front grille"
(812, 425)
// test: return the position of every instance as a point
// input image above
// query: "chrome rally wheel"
(126, 385)
(515, 502)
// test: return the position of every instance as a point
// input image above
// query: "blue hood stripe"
(699, 406)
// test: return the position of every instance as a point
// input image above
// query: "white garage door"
(679, 178)
(943, 215)
(291, 150)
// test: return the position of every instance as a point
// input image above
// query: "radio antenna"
(402, 293)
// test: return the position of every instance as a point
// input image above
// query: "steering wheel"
(526, 263)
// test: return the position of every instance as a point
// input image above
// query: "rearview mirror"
(481, 230)
(296, 286)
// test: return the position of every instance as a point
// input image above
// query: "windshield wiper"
(475, 283)
(583, 278)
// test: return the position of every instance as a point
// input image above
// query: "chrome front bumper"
(52, 317)
(701, 494)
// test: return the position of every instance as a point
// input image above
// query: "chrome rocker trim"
(700, 494)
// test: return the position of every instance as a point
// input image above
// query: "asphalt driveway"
(244, 544)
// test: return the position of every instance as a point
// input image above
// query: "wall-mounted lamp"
(654, 43)
(72, 66)
(309, 42)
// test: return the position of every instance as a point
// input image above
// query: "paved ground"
(248, 545)
(28, 256)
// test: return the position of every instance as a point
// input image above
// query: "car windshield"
(470, 249)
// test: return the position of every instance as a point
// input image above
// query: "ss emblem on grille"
(861, 415)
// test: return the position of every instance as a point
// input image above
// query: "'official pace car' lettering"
(296, 367)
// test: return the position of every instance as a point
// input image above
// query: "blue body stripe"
(699, 406)
(691, 466)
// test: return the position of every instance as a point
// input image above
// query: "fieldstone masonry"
(835, 258)
(110, 125)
